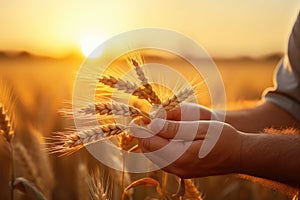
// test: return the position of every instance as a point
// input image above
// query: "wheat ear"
(6, 129)
(119, 84)
(113, 109)
(100, 187)
(71, 141)
(175, 100)
(191, 191)
(148, 90)
(126, 86)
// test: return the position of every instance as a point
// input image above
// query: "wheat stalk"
(34, 144)
(191, 191)
(6, 130)
(143, 181)
(82, 181)
(125, 141)
(26, 165)
(113, 109)
(70, 141)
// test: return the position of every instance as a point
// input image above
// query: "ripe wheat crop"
(70, 141)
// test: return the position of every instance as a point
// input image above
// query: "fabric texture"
(286, 90)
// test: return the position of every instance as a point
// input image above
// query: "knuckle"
(172, 127)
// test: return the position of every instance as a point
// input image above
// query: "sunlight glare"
(89, 44)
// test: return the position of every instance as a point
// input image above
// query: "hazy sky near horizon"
(224, 28)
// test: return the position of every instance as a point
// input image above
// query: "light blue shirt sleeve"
(286, 90)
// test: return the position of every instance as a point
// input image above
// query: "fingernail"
(157, 125)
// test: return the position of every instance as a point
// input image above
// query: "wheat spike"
(191, 191)
(119, 84)
(5, 125)
(126, 86)
(144, 92)
(151, 95)
(174, 101)
(71, 141)
(137, 63)
(113, 109)
(100, 189)
(35, 146)
(148, 90)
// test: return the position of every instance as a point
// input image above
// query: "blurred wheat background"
(44, 85)
(44, 43)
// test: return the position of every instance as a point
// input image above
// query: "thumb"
(138, 130)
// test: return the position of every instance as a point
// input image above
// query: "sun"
(89, 44)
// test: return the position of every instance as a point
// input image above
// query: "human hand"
(192, 112)
(191, 148)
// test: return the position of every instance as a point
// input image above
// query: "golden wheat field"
(34, 89)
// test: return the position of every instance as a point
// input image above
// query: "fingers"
(170, 141)
(189, 112)
(182, 130)
(153, 143)
(162, 151)
(178, 130)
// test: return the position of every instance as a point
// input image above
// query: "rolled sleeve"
(286, 90)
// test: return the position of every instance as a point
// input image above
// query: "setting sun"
(89, 44)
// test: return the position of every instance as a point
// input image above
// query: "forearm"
(262, 116)
(274, 157)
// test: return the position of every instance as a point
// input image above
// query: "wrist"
(238, 164)
(235, 144)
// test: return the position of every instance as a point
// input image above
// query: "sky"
(225, 28)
